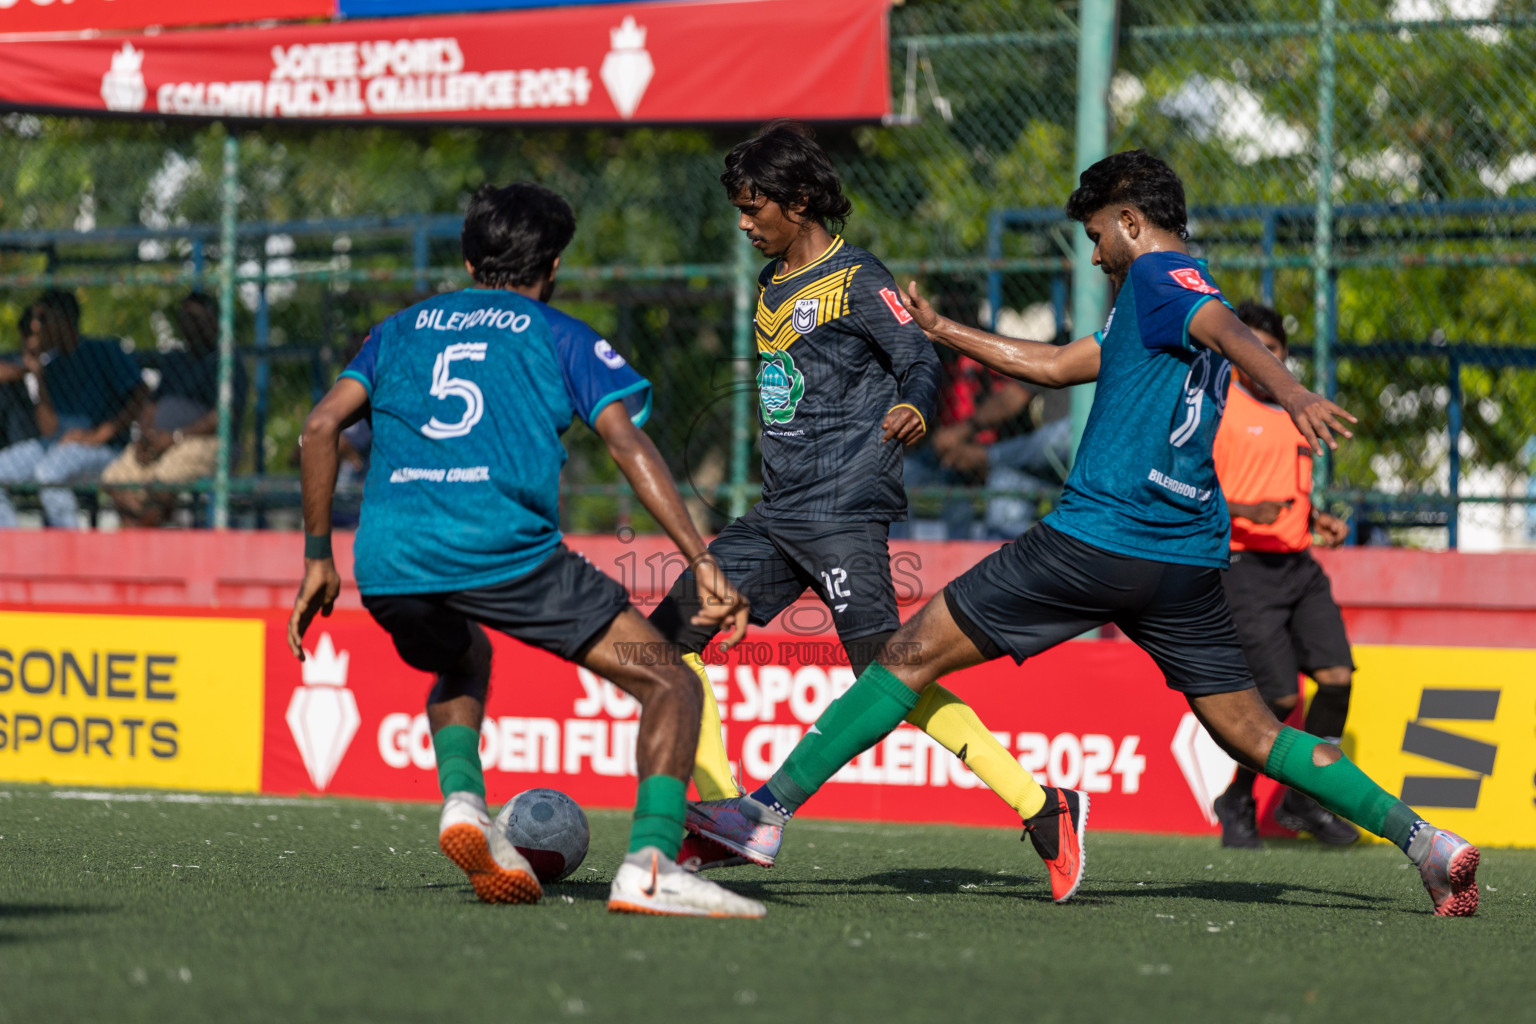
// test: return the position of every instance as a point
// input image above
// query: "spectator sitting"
(18, 422)
(178, 428)
(1030, 462)
(974, 403)
(87, 392)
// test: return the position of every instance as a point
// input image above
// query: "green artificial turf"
(137, 907)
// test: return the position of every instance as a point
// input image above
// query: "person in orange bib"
(1287, 620)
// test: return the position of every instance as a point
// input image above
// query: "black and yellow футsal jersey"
(836, 351)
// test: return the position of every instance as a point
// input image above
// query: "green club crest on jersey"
(780, 386)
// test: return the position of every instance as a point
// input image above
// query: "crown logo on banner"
(628, 68)
(1207, 769)
(122, 88)
(325, 667)
(322, 715)
(628, 36)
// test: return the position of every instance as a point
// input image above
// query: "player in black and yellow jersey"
(845, 379)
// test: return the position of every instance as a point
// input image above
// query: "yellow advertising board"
(1452, 731)
(131, 700)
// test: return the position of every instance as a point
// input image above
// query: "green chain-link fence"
(1408, 292)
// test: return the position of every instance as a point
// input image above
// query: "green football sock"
(660, 806)
(853, 723)
(458, 760)
(1341, 787)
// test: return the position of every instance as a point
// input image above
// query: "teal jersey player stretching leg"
(1138, 539)
(469, 393)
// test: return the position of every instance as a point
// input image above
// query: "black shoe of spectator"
(1300, 813)
(1238, 814)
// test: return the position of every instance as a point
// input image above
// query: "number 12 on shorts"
(837, 590)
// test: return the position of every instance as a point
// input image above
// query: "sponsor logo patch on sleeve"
(606, 353)
(1189, 277)
(897, 309)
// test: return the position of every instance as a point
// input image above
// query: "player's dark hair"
(62, 302)
(513, 234)
(1132, 178)
(782, 162)
(1262, 318)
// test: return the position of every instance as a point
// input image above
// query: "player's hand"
(923, 314)
(720, 603)
(316, 594)
(1318, 419)
(904, 424)
(1333, 530)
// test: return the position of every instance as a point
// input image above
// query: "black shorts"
(559, 606)
(773, 561)
(1047, 587)
(1286, 618)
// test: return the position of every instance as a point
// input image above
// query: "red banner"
(642, 63)
(1091, 715)
(78, 15)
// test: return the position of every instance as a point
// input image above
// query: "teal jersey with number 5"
(469, 393)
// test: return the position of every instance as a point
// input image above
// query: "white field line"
(108, 796)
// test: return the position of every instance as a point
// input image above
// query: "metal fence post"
(1322, 235)
(994, 276)
(744, 282)
(420, 254)
(1267, 276)
(227, 242)
(263, 380)
(1453, 456)
(1097, 28)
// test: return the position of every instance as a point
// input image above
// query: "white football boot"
(468, 837)
(649, 882)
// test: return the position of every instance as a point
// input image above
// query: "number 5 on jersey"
(446, 385)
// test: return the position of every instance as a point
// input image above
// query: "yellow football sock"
(711, 768)
(951, 721)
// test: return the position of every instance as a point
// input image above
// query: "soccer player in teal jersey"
(469, 393)
(1138, 539)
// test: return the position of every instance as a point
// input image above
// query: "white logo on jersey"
(605, 352)
(804, 320)
(1223, 384)
(1194, 399)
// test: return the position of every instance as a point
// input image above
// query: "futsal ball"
(549, 829)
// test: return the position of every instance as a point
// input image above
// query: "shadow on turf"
(951, 881)
(13, 913)
(1279, 893)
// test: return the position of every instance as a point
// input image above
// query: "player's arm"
(1034, 362)
(1261, 512)
(319, 458)
(637, 458)
(914, 364)
(1217, 327)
